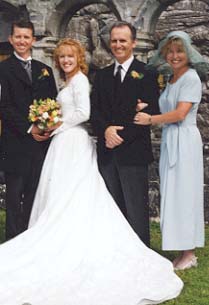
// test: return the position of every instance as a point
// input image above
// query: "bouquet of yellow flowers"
(45, 113)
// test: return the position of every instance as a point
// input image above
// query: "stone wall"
(89, 20)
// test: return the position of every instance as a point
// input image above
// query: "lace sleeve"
(79, 111)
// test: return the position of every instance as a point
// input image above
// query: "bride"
(79, 249)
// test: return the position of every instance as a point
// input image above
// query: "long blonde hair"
(79, 51)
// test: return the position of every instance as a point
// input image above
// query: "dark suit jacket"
(17, 94)
(106, 111)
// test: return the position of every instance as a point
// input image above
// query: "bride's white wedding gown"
(79, 249)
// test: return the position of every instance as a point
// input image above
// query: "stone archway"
(62, 23)
(150, 12)
(60, 17)
(192, 17)
(90, 26)
(147, 19)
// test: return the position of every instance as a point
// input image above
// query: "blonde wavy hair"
(79, 51)
(173, 41)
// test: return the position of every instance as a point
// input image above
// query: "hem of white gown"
(170, 297)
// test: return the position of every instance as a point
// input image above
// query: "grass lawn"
(196, 280)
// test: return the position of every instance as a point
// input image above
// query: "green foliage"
(196, 280)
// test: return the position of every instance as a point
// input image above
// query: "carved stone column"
(43, 51)
(145, 44)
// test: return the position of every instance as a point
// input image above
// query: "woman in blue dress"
(181, 158)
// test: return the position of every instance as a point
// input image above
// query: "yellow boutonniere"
(136, 75)
(161, 81)
(44, 73)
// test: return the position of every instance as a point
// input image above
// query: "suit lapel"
(35, 71)
(128, 73)
(131, 84)
(109, 79)
(19, 71)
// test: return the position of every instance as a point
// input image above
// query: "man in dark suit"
(22, 80)
(124, 149)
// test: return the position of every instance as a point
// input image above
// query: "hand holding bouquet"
(45, 113)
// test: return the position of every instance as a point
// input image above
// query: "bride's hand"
(140, 105)
(142, 118)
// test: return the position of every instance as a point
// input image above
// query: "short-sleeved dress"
(181, 169)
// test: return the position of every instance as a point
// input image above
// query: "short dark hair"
(22, 23)
(120, 24)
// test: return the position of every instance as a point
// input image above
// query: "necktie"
(118, 75)
(117, 80)
(27, 66)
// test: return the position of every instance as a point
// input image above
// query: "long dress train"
(79, 249)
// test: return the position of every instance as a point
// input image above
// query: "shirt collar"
(20, 58)
(125, 65)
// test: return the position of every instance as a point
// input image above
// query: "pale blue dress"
(181, 169)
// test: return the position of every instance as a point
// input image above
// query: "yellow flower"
(161, 82)
(33, 119)
(44, 73)
(136, 75)
(54, 113)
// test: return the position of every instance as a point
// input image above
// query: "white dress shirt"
(125, 66)
(21, 58)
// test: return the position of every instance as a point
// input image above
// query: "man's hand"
(111, 136)
(38, 134)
